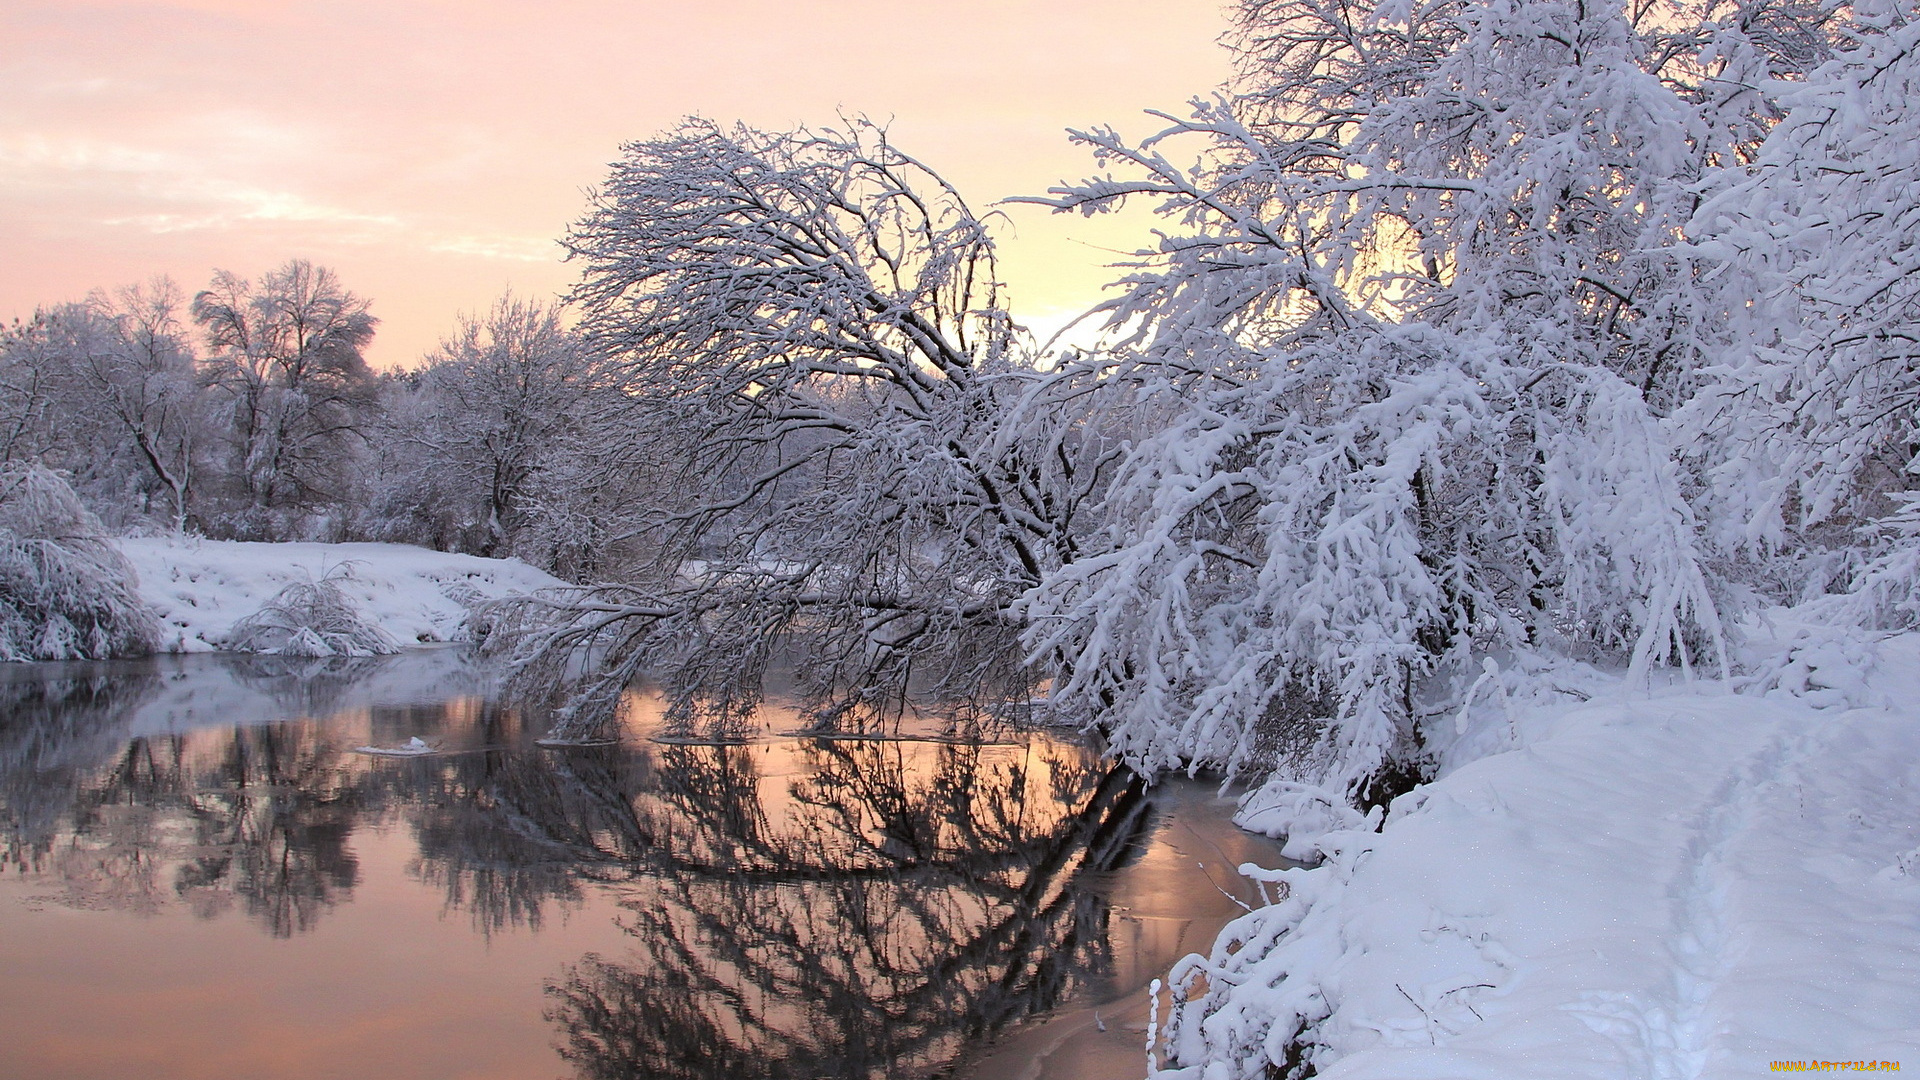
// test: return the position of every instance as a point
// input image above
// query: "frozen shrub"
(312, 618)
(65, 591)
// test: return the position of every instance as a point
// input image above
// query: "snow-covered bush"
(65, 591)
(1294, 559)
(312, 619)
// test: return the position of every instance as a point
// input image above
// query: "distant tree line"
(247, 411)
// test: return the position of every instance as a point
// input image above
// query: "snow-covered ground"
(1689, 883)
(201, 588)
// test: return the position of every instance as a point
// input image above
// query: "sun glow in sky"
(431, 150)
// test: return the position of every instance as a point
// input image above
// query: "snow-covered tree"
(1814, 420)
(1423, 313)
(285, 358)
(27, 390)
(816, 359)
(472, 436)
(105, 389)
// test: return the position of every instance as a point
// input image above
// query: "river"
(205, 876)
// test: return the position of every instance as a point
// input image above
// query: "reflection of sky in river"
(202, 878)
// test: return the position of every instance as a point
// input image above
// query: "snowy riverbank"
(1687, 884)
(201, 588)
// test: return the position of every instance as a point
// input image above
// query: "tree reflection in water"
(915, 896)
(57, 723)
(272, 819)
(860, 909)
(258, 816)
(796, 907)
(261, 817)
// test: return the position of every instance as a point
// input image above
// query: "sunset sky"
(431, 150)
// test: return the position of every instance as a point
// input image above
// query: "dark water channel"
(203, 877)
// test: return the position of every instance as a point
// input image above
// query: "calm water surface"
(203, 878)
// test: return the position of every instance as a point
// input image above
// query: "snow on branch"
(815, 356)
(312, 618)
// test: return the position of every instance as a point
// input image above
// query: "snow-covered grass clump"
(352, 599)
(65, 592)
(312, 618)
(1685, 883)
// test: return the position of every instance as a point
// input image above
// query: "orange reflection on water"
(202, 882)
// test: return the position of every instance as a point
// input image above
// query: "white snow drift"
(1689, 884)
(217, 595)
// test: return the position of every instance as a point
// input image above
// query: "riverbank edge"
(199, 589)
(1678, 882)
